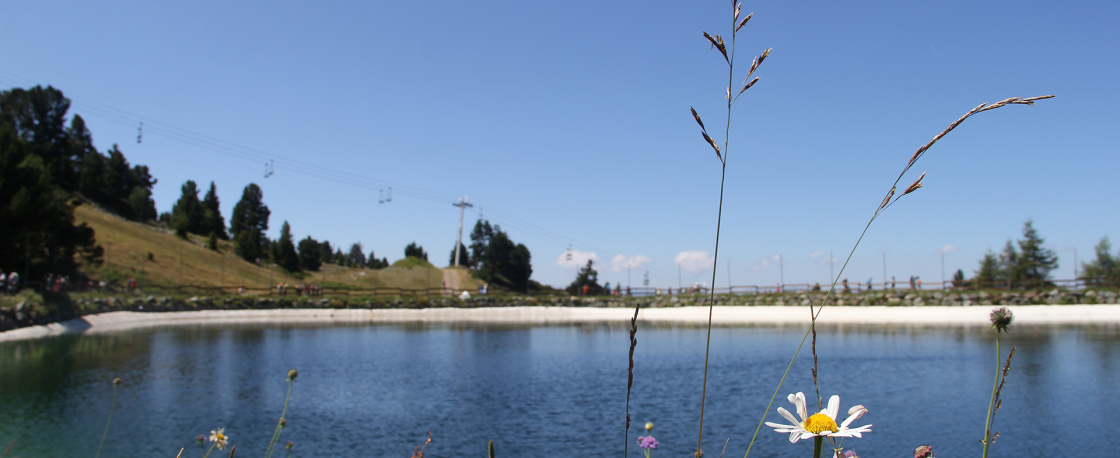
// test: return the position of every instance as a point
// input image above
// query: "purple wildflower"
(647, 442)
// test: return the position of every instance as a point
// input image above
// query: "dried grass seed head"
(743, 22)
(887, 200)
(748, 86)
(917, 184)
(696, 116)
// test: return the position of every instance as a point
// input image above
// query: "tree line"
(49, 166)
(1025, 263)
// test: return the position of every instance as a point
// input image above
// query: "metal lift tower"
(462, 204)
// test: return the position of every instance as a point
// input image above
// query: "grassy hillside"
(156, 257)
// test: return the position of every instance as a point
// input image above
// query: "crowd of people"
(302, 289)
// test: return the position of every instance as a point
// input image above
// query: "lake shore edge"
(721, 315)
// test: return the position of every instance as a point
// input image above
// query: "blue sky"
(567, 123)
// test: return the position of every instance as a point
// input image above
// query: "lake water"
(550, 391)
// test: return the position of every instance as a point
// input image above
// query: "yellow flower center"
(220, 436)
(820, 422)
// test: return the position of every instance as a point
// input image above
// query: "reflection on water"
(559, 390)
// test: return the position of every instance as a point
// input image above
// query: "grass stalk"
(112, 403)
(282, 422)
(889, 200)
(211, 449)
(629, 381)
(718, 43)
(992, 401)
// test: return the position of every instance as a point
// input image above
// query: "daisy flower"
(219, 438)
(819, 424)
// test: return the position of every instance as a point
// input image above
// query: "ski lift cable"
(256, 155)
(319, 172)
(508, 220)
(251, 154)
(218, 145)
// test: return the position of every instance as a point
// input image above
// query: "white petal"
(788, 416)
(799, 401)
(853, 414)
(833, 407)
(807, 434)
(794, 437)
(779, 425)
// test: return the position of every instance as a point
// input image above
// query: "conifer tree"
(310, 254)
(588, 277)
(415, 251)
(1034, 261)
(989, 271)
(356, 258)
(464, 256)
(326, 252)
(286, 255)
(1105, 269)
(212, 213)
(248, 223)
(187, 214)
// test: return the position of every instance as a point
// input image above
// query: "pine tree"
(326, 252)
(248, 223)
(187, 213)
(464, 257)
(1104, 270)
(310, 254)
(480, 239)
(36, 216)
(989, 271)
(415, 251)
(958, 279)
(589, 277)
(520, 268)
(356, 258)
(1009, 265)
(1035, 262)
(212, 213)
(286, 250)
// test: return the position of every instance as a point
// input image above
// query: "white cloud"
(620, 262)
(578, 259)
(814, 254)
(694, 261)
(766, 262)
(947, 248)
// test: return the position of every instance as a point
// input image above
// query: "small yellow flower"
(219, 438)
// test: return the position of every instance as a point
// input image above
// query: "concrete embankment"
(547, 315)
